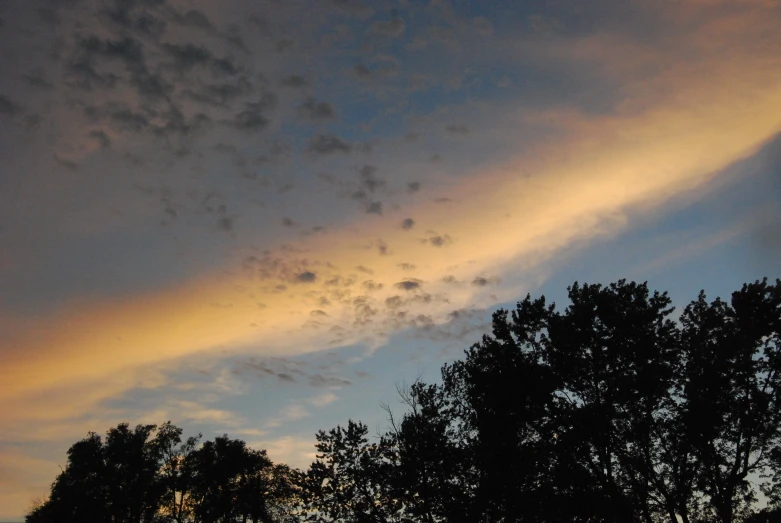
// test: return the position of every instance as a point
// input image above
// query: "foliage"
(147, 475)
(610, 410)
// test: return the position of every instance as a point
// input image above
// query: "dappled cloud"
(583, 183)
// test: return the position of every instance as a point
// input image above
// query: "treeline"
(610, 410)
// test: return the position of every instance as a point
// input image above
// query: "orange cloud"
(704, 117)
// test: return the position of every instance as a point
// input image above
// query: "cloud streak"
(612, 164)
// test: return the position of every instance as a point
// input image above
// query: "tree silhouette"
(112, 480)
(147, 475)
(349, 480)
(607, 411)
(732, 392)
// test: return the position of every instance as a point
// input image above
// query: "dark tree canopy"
(611, 410)
(147, 475)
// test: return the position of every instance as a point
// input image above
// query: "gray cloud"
(7, 107)
(295, 81)
(226, 223)
(328, 144)
(127, 49)
(382, 247)
(233, 38)
(135, 16)
(372, 285)
(218, 95)
(259, 22)
(68, 164)
(188, 56)
(160, 123)
(413, 186)
(362, 71)
(225, 66)
(32, 121)
(82, 74)
(315, 111)
(481, 281)
(281, 368)
(374, 208)
(318, 380)
(408, 285)
(306, 277)
(381, 66)
(440, 240)
(369, 179)
(457, 129)
(394, 302)
(291, 370)
(285, 44)
(407, 223)
(37, 80)
(254, 117)
(120, 118)
(193, 18)
(101, 137)
(393, 28)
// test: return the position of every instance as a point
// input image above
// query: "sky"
(259, 217)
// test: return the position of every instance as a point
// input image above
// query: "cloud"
(295, 81)
(374, 208)
(382, 247)
(481, 281)
(394, 27)
(328, 144)
(297, 451)
(293, 412)
(361, 71)
(306, 277)
(254, 117)
(323, 399)
(226, 223)
(219, 95)
(315, 111)
(457, 129)
(407, 224)
(37, 80)
(440, 240)
(7, 107)
(102, 138)
(187, 56)
(319, 380)
(23, 478)
(371, 285)
(193, 18)
(408, 285)
(369, 180)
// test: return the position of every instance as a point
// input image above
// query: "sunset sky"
(257, 217)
